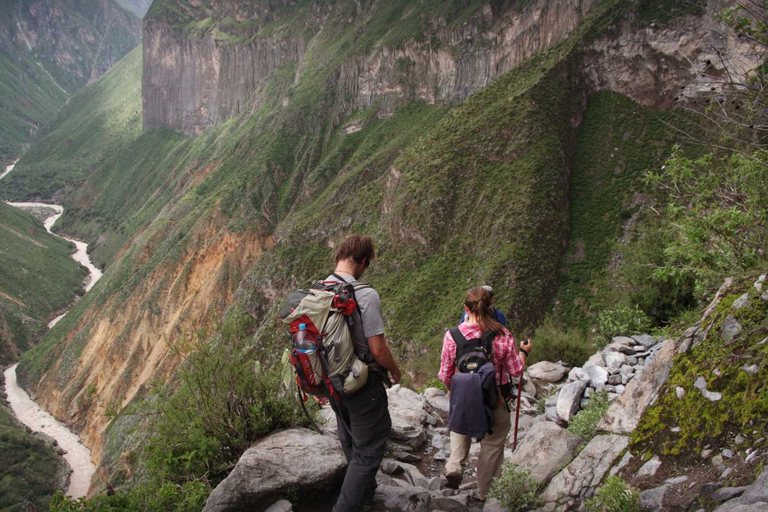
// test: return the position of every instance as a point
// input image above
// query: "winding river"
(78, 456)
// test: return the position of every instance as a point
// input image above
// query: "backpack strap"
(487, 340)
(458, 338)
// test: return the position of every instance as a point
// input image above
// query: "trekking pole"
(517, 408)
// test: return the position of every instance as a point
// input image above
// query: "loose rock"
(587, 469)
(624, 415)
(731, 328)
(645, 340)
(547, 448)
(281, 506)
(546, 371)
(741, 302)
(701, 385)
(569, 398)
(598, 375)
(650, 468)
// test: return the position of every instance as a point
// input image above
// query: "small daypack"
(327, 351)
(472, 354)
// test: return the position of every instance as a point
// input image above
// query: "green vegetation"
(744, 404)
(38, 279)
(619, 141)
(614, 496)
(31, 471)
(195, 428)
(554, 343)
(621, 320)
(515, 489)
(36, 81)
(585, 422)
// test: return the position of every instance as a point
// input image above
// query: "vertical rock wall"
(192, 82)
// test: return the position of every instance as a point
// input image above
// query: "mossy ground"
(700, 423)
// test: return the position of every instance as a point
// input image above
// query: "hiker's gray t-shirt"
(370, 307)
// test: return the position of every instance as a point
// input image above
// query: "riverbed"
(78, 455)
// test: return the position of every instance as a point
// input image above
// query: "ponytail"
(478, 300)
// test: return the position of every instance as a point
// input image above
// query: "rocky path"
(77, 455)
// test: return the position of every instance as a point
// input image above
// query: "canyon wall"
(193, 80)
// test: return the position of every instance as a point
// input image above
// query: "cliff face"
(193, 80)
(52, 49)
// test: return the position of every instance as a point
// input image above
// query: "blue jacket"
(497, 315)
(473, 400)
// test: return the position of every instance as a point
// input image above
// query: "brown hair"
(357, 247)
(478, 300)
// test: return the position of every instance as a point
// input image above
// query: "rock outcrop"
(221, 77)
(271, 466)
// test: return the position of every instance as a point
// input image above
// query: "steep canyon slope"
(449, 131)
(49, 50)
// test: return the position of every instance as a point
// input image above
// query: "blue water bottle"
(301, 342)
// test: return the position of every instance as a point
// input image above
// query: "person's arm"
(383, 355)
(447, 357)
(514, 361)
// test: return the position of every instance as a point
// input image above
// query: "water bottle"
(301, 341)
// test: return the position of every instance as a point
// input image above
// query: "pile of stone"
(610, 370)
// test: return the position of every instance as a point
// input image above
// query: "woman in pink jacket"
(509, 363)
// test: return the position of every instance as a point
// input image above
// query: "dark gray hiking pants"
(364, 424)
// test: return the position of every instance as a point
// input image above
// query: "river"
(78, 456)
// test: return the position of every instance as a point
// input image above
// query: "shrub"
(553, 343)
(226, 402)
(167, 497)
(584, 424)
(620, 320)
(614, 496)
(515, 489)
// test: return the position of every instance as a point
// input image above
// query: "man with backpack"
(350, 362)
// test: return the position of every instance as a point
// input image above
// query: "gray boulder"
(437, 399)
(624, 414)
(754, 498)
(652, 500)
(569, 398)
(408, 416)
(614, 360)
(547, 448)
(584, 474)
(741, 302)
(269, 468)
(598, 375)
(548, 372)
(401, 499)
(645, 340)
(731, 328)
(281, 506)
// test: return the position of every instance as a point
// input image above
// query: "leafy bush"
(225, 403)
(221, 403)
(620, 320)
(714, 216)
(167, 497)
(553, 343)
(515, 489)
(584, 424)
(614, 496)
